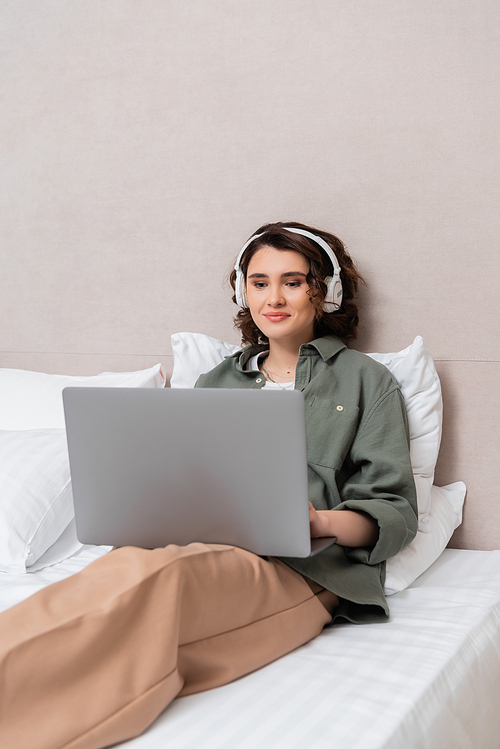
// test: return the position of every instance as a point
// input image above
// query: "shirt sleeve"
(380, 481)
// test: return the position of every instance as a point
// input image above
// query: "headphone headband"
(333, 298)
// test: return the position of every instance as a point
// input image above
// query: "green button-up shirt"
(358, 458)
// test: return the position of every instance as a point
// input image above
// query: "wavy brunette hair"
(343, 322)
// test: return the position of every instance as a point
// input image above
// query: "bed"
(139, 149)
(429, 678)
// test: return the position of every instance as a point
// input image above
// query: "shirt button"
(259, 379)
(340, 408)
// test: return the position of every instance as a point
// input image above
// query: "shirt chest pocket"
(331, 428)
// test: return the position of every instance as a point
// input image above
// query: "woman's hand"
(351, 528)
(318, 523)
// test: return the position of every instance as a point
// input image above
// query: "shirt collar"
(244, 355)
(326, 346)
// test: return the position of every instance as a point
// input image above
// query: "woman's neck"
(282, 359)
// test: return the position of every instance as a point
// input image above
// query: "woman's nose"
(275, 297)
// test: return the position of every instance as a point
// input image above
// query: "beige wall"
(142, 142)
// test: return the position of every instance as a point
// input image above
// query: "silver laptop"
(150, 467)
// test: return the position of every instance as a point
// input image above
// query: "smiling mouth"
(276, 317)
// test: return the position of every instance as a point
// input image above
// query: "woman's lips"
(277, 317)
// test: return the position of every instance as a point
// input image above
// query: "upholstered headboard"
(141, 144)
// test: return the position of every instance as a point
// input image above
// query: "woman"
(296, 288)
(92, 660)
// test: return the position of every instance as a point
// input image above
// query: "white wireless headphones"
(333, 298)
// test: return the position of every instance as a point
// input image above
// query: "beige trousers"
(94, 659)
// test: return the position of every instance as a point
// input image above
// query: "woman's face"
(277, 295)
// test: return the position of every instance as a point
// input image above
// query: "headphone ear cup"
(240, 289)
(333, 298)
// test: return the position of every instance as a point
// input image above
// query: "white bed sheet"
(428, 679)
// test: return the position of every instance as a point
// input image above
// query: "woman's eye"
(294, 284)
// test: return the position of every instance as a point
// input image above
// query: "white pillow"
(32, 400)
(195, 354)
(440, 508)
(66, 545)
(36, 503)
(416, 375)
(414, 559)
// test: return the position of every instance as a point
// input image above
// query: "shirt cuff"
(394, 531)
